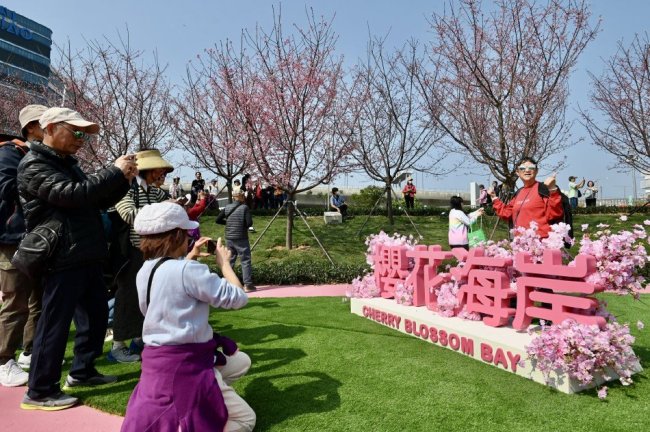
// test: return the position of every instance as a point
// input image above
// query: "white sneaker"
(11, 375)
(109, 335)
(24, 360)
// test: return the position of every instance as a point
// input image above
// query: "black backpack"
(567, 215)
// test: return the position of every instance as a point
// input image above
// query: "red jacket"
(197, 210)
(409, 189)
(529, 205)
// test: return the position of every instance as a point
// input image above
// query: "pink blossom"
(646, 222)
(623, 218)
(584, 227)
(640, 325)
(582, 350)
(602, 393)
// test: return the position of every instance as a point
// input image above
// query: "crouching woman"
(178, 389)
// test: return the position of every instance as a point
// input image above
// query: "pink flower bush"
(582, 351)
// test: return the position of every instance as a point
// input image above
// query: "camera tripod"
(286, 205)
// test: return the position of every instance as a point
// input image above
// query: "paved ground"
(82, 418)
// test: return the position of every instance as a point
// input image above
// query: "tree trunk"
(509, 187)
(290, 214)
(229, 188)
(389, 204)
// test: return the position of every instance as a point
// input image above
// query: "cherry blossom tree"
(286, 91)
(395, 133)
(15, 94)
(116, 86)
(497, 81)
(621, 97)
(208, 129)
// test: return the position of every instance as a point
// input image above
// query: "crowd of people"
(122, 218)
(56, 222)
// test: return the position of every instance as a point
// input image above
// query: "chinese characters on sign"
(549, 290)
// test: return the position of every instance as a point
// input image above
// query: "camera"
(212, 247)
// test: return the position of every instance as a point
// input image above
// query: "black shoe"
(249, 288)
(95, 380)
(57, 401)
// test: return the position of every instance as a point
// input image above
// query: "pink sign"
(549, 290)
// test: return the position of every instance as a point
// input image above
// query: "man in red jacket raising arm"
(538, 202)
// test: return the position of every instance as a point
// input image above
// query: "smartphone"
(212, 247)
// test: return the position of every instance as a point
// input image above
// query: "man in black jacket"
(52, 186)
(21, 295)
(237, 218)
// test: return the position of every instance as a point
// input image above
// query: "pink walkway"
(82, 418)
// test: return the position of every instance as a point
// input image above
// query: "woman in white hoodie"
(459, 221)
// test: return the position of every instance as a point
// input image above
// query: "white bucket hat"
(162, 217)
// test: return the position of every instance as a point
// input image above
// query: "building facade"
(25, 47)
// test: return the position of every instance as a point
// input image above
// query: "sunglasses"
(76, 134)
(527, 168)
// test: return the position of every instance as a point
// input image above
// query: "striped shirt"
(127, 209)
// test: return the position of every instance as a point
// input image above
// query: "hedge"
(306, 272)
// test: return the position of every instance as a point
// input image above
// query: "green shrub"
(302, 272)
(367, 197)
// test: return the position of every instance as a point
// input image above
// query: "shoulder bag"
(36, 250)
(476, 235)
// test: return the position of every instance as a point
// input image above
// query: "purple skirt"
(177, 388)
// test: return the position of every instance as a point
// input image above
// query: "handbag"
(476, 235)
(36, 249)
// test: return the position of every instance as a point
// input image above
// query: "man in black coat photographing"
(54, 190)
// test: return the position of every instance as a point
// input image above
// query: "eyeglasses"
(527, 168)
(77, 134)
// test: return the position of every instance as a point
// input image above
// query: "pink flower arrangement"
(619, 258)
(376, 241)
(447, 294)
(581, 351)
(404, 294)
(364, 287)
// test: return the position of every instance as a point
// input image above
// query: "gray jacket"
(237, 218)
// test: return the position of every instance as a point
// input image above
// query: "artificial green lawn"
(345, 246)
(317, 367)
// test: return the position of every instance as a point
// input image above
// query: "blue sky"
(181, 30)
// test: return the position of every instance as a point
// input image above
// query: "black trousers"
(128, 320)
(77, 293)
(410, 201)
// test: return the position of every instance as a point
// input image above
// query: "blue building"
(25, 47)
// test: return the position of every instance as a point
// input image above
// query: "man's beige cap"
(29, 114)
(66, 115)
